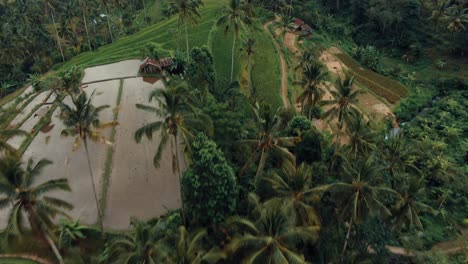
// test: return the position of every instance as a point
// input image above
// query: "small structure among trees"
(300, 27)
(149, 66)
(152, 66)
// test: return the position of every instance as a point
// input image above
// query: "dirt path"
(284, 69)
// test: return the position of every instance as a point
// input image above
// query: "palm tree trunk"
(41, 232)
(249, 72)
(310, 112)
(180, 179)
(232, 55)
(186, 41)
(261, 164)
(57, 35)
(346, 240)
(53, 247)
(94, 187)
(290, 7)
(144, 9)
(87, 32)
(109, 26)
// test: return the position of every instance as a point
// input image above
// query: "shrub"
(310, 149)
(298, 125)
(209, 186)
(369, 56)
(155, 51)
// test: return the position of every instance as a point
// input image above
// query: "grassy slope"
(221, 46)
(164, 33)
(266, 74)
(266, 66)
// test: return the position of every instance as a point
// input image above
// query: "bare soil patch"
(123, 69)
(72, 164)
(137, 188)
(290, 42)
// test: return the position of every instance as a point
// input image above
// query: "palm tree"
(308, 57)
(189, 248)
(7, 132)
(188, 13)
(440, 12)
(16, 184)
(143, 245)
(294, 192)
(408, 207)
(359, 195)
(267, 124)
(457, 17)
(344, 101)
(84, 9)
(70, 232)
(313, 78)
(106, 4)
(398, 153)
(179, 119)
(362, 138)
(81, 121)
(271, 239)
(52, 13)
(248, 47)
(283, 23)
(234, 17)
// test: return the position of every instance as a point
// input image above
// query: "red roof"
(149, 61)
(298, 22)
(165, 62)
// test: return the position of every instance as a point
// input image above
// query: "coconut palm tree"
(81, 121)
(362, 137)
(293, 190)
(283, 23)
(344, 101)
(188, 13)
(271, 239)
(268, 140)
(457, 17)
(142, 245)
(360, 192)
(179, 120)
(18, 190)
(189, 248)
(440, 12)
(7, 132)
(408, 207)
(313, 76)
(106, 4)
(84, 5)
(52, 13)
(234, 17)
(248, 47)
(397, 152)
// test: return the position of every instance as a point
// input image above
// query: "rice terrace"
(233, 131)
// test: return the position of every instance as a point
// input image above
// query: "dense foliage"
(209, 184)
(261, 184)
